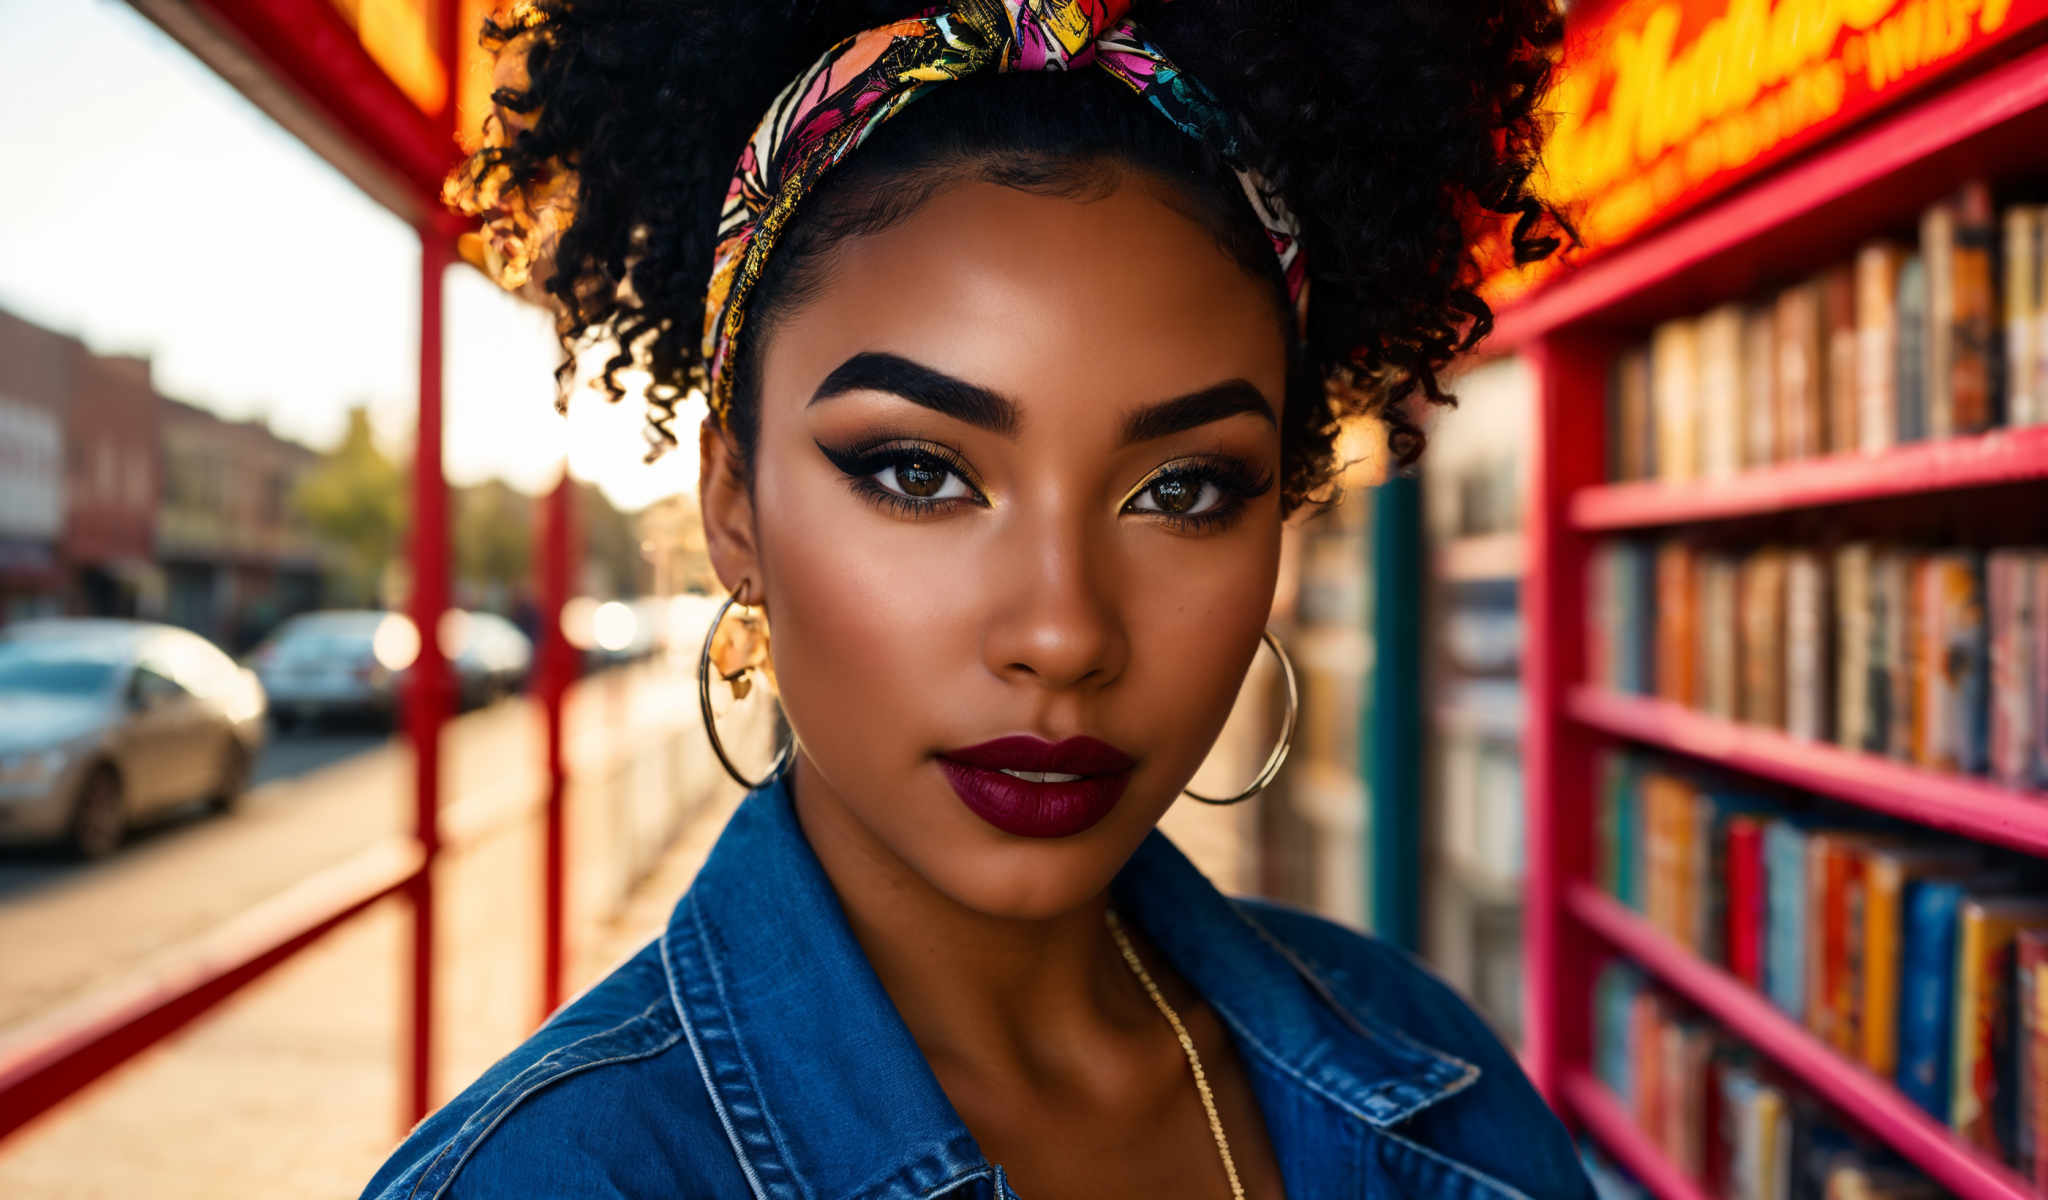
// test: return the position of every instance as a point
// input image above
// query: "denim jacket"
(750, 1051)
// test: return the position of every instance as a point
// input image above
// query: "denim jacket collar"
(823, 1092)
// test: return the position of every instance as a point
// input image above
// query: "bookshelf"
(1871, 1102)
(1748, 236)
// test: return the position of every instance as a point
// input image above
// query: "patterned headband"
(868, 78)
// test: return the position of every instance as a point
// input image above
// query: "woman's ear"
(728, 510)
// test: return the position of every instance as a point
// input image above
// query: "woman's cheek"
(866, 638)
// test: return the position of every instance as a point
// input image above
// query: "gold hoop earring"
(1279, 754)
(740, 684)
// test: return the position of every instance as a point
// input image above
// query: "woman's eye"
(1179, 496)
(922, 479)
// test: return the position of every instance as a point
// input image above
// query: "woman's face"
(1017, 474)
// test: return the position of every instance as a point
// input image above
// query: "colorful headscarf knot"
(830, 109)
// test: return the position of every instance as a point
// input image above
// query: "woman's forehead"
(1043, 298)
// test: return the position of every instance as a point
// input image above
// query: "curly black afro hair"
(1400, 132)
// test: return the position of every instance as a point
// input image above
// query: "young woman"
(1028, 323)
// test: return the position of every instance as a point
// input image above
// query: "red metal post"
(1558, 751)
(557, 669)
(427, 690)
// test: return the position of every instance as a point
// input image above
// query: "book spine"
(1967, 1113)
(1976, 378)
(1720, 374)
(1927, 997)
(2037, 665)
(1674, 399)
(2009, 586)
(1759, 387)
(1887, 648)
(1763, 637)
(1823, 933)
(1877, 317)
(1838, 317)
(1853, 629)
(2039, 386)
(2020, 290)
(1964, 687)
(1720, 654)
(1883, 889)
(1807, 630)
(1909, 375)
(1745, 899)
(1855, 951)
(1802, 373)
(1937, 248)
(1927, 665)
(2032, 1128)
(1676, 620)
(1785, 932)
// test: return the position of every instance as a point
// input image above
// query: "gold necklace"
(1187, 1045)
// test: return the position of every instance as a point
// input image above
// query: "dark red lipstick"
(1028, 806)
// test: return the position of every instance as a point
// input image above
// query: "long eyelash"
(1239, 481)
(861, 463)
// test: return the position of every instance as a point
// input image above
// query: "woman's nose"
(1054, 616)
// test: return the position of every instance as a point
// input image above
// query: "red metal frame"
(306, 46)
(1557, 758)
(557, 668)
(1616, 1128)
(1973, 808)
(1986, 460)
(1812, 212)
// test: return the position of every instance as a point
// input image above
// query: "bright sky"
(152, 210)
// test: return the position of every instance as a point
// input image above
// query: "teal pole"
(1392, 740)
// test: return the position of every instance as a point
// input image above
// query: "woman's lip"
(1035, 810)
(1085, 756)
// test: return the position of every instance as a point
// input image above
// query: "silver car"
(103, 722)
(339, 662)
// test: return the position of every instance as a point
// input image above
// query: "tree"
(356, 502)
(494, 531)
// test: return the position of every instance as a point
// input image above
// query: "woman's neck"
(997, 996)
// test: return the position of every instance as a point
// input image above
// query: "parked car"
(103, 722)
(491, 658)
(337, 663)
(343, 662)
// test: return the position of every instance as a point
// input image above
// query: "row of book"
(1718, 1114)
(1924, 959)
(1935, 657)
(1900, 344)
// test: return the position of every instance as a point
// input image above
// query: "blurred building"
(117, 501)
(35, 373)
(236, 560)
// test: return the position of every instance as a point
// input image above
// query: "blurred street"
(294, 1086)
(68, 927)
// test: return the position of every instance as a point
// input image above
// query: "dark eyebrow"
(872, 371)
(875, 371)
(1212, 403)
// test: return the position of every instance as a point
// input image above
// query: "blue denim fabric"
(750, 1051)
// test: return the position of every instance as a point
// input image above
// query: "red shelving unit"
(1973, 808)
(1872, 1102)
(1616, 1129)
(1870, 178)
(2001, 457)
